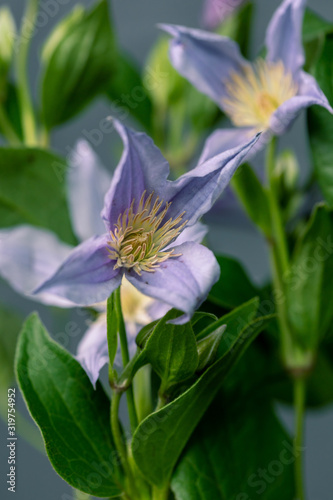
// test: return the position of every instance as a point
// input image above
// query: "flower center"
(139, 236)
(254, 94)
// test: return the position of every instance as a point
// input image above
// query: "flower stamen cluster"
(254, 94)
(140, 235)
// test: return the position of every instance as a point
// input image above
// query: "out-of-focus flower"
(216, 11)
(266, 95)
(144, 214)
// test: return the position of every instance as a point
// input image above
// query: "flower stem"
(125, 357)
(278, 229)
(7, 128)
(119, 443)
(160, 494)
(27, 111)
(299, 405)
(293, 357)
(278, 254)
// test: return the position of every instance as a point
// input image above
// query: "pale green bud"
(7, 40)
(208, 347)
(61, 31)
(287, 169)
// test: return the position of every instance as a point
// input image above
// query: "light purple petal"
(195, 233)
(141, 167)
(92, 351)
(87, 276)
(182, 282)
(309, 95)
(28, 256)
(223, 139)
(196, 191)
(215, 11)
(284, 35)
(87, 182)
(204, 58)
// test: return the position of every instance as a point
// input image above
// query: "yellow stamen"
(138, 238)
(257, 92)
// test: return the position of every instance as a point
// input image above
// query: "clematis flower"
(29, 255)
(264, 96)
(144, 215)
(215, 11)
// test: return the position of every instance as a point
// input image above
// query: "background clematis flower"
(266, 95)
(144, 214)
(215, 11)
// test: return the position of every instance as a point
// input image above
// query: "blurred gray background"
(135, 23)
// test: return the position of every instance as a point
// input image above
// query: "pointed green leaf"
(128, 93)
(32, 191)
(172, 350)
(309, 284)
(161, 437)
(240, 451)
(72, 416)
(320, 123)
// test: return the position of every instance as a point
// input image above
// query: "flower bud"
(207, 348)
(287, 169)
(7, 40)
(61, 31)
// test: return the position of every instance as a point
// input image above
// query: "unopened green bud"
(61, 31)
(287, 169)
(7, 40)
(207, 348)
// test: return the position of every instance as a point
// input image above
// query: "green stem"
(299, 404)
(125, 358)
(7, 128)
(116, 432)
(279, 236)
(160, 494)
(121, 446)
(278, 254)
(27, 110)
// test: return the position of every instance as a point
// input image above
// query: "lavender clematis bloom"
(29, 255)
(144, 214)
(265, 96)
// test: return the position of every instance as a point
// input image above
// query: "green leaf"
(233, 287)
(32, 191)
(79, 62)
(12, 108)
(253, 197)
(200, 321)
(239, 443)
(314, 25)
(320, 124)
(315, 28)
(161, 437)
(128, 93)
(10, 328)
(309, 285)
(172, 350)
(72, 416)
